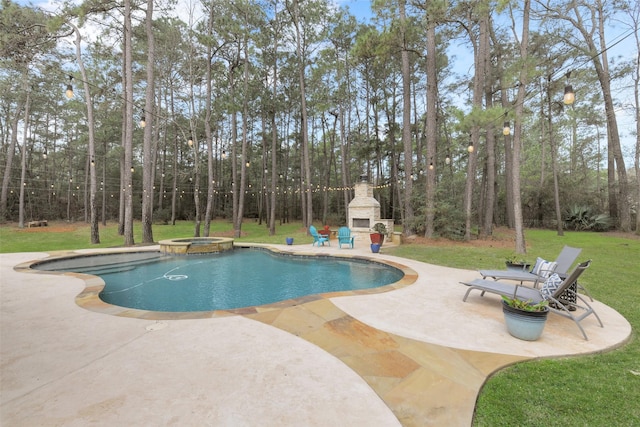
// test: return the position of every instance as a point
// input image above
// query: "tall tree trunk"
(148, 153)
(245, 140)
(23, 167)
(508, 151)
(207, 127)
(431, 131)
(194, 144)
(554, 163)
(174, 186)
(128, 126)
(93, 185)
(486, 228)
(478, 94)
(517, 139)
(602, 70)
(6, 177)
(123, 138)
(409, 227)
(346, 194)
(274, 142)
(636, 99)
(104, 188)
(235, 187)
(274, 129)
(306, 161)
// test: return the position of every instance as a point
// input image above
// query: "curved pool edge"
(89, 298)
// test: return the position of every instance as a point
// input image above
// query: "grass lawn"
(594, 390)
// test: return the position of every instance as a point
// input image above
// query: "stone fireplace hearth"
(364, 210)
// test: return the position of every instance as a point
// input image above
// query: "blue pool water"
(239, 278)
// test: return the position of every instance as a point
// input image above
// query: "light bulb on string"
(69, 91)
(506, 129)
(569, 94)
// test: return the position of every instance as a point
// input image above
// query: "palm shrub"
(583, 218)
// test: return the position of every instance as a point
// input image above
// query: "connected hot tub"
(196, 245)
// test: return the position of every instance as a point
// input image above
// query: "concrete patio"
(415, 355)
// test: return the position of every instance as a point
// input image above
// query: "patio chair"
(552, 290)
(541, 269)
(345, 237)
(317, 238)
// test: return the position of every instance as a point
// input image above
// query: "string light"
(69, 91)
(569, 94)
(506, 129)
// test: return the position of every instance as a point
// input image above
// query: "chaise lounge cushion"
(543, 268)
(550, 285)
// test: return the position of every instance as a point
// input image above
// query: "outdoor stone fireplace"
(364, 210)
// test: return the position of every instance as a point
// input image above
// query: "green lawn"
(595, 390)
(61, 236)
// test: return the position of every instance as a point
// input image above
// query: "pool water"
(235, 279)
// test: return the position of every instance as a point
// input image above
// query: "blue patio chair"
(345, 237)
(317, 238)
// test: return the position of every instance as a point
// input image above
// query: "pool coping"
(89, 298)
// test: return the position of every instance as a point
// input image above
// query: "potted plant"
(525, 319)
(379, 231)
(516, 262)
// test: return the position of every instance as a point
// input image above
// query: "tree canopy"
(272, 109)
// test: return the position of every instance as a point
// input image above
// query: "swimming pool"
(243, 277)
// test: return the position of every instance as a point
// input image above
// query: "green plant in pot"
(525, 319)
(379, 231)
(515, 261)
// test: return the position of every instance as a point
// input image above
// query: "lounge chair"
(541, 270)
(317, 238)
(552, 290)
(345, 237)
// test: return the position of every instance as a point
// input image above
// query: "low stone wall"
(196, 245)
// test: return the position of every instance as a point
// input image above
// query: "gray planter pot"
(525, 325)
